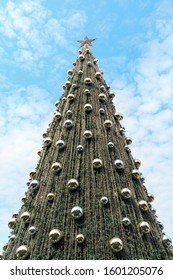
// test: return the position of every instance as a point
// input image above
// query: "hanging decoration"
(25, 217)
(22, 252)
(104, 200)
(73, 184)
(88, 81)
(47, 142)
(80, 238)
(34, 184)
(97, 163)
(126, 221)
(32, 230)
(108, 124)
(70, 72)
(101, 111)
(143, 205)
(144, 227)
(50, 196)
(80, 148)
(68, 124)
(77, 212)
(55, 235)
(102, 97)
(56, 167)
(119, 165)
(136, 174)
(116, 244)
(12, 223)
(126, 193)
(60, 144)
(87, 134)
(110, 145)
(88, 107)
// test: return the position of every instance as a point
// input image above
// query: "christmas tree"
(86, 199)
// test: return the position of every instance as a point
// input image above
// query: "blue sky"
(134, 48)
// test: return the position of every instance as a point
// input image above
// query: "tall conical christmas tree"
(86, 198)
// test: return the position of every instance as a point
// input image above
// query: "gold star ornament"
(85, 41)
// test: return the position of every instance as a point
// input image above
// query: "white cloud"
(56, 31)
(30, 101)
(36, 31)
(74, 19)
(24, 116)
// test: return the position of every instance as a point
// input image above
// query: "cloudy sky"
(135, 51)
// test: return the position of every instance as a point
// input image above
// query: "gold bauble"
(88, 107)
(56, 167)
(55, 235)
(25, 217)
(58, 115)
(80, 238)
(87, 134)
(88, 81)
(136, 174)
(73, 184)
(144, 227)
(68, 84)
(87, 91)
(128, 140)
(108, 124)
(47, 142)
(137, 163)
(22, 252)
(32, 174)
(81, 57)
(118, 116)
(50, 196)
(80, 72)
(97, 163)
(12, 223)
(143, 205)
(150, 197)
(102, 97)
(126, 193)
(98, 75)
(116, 244)
(70, 97)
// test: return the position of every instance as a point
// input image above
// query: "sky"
(134, 48)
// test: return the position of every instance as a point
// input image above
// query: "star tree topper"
(86, 40)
